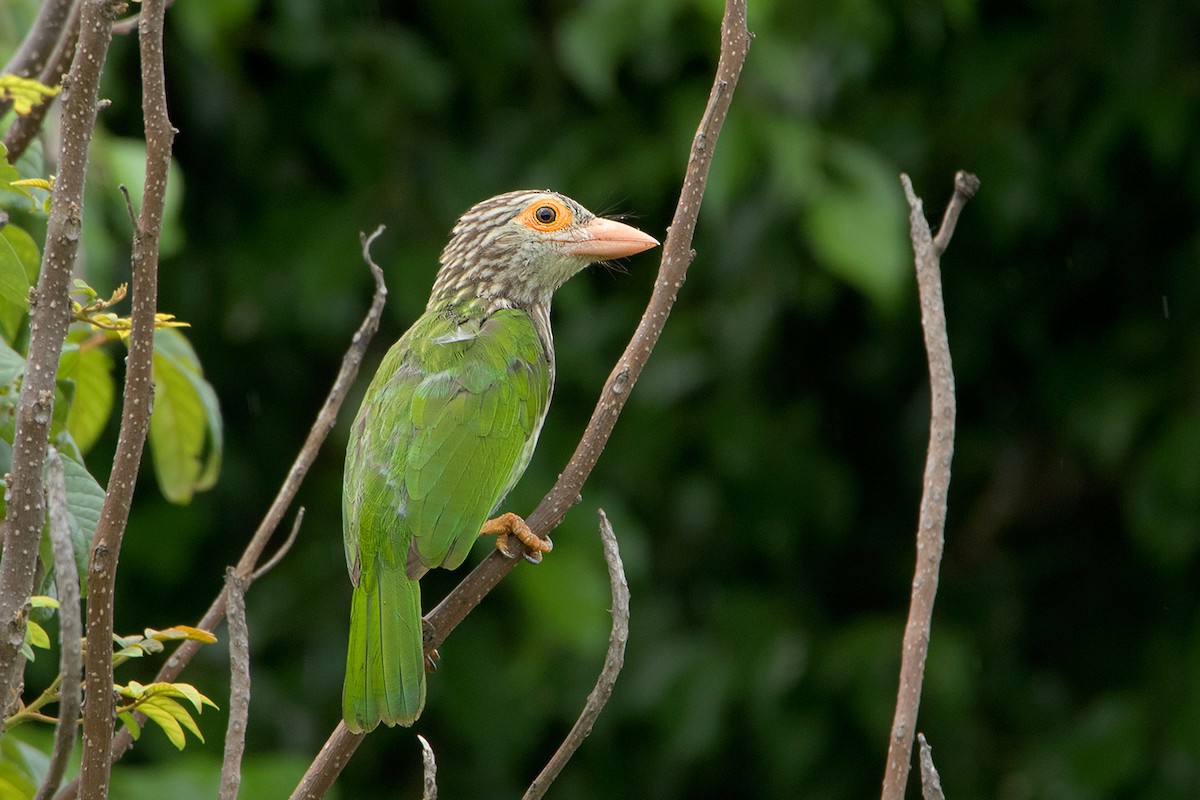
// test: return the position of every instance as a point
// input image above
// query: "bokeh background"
(764, 478)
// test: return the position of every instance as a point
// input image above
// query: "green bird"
(448, 426)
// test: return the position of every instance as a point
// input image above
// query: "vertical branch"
(239, 683)
(931, 526)
(613, 661)
(677, 257)
(49, 319)
(135, 414)
(70, 630)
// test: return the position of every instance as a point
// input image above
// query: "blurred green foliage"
(764, 479)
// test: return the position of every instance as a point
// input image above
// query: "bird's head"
(518, 248)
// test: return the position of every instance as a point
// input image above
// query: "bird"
(448, 425)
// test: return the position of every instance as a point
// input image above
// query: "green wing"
(445, 429)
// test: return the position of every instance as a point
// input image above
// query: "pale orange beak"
(606, 239)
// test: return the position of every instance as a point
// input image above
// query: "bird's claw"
(432, 660)
(509, 524)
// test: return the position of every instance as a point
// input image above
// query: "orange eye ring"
(547, 215)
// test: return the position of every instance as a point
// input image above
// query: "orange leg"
(510, 524)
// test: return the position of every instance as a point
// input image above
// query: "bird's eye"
(546, 215)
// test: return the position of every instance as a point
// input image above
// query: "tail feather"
(385, 662)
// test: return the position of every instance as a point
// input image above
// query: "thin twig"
(239, 683)
(931, 525)
(135, 412)
(129, 24)
(283, 550)
(320, 430)
(25, 128)
(429, 766)
(931, 782)
(613, 661)
(677, 256)
(965, 187)
(50, 316)
(70, 630)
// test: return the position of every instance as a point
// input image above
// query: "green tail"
(385, 662)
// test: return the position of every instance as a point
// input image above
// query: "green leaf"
(85, 498)
(27, 250)
(89, 410)
(42, 601)
(12, 366)
(193, 695)
(172, 707)
(13, 315)
(36, 636)
(185, 426)
(14, 283)
(131, 722)
(165, 720)
(22, 766)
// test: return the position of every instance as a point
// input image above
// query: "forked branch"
(931, 526)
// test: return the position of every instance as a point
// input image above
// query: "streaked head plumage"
(517, 248)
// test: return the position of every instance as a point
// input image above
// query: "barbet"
(448, 426)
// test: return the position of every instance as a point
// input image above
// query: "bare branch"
(430, 768)
(328, 764)
(965, 187)
(239, 684)
(931, 782)
(70, 631)
(49, 318)
(283, 550)
(135, 413)
(39, 42)
(25, 128)
(931, 526)
(613, 661)
(287, 492)
(677, 256)
(128, 25)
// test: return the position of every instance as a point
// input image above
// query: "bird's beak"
(606, 239)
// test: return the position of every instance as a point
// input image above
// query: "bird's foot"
(509, 524)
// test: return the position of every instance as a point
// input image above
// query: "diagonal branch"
(613, 661)
(24, 128)
(287, 492)
(49, 319)
(35, 49)
(931, 526)
(320, 430)
(677, 256)
(135, 415)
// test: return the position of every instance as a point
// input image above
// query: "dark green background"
(764, 478)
